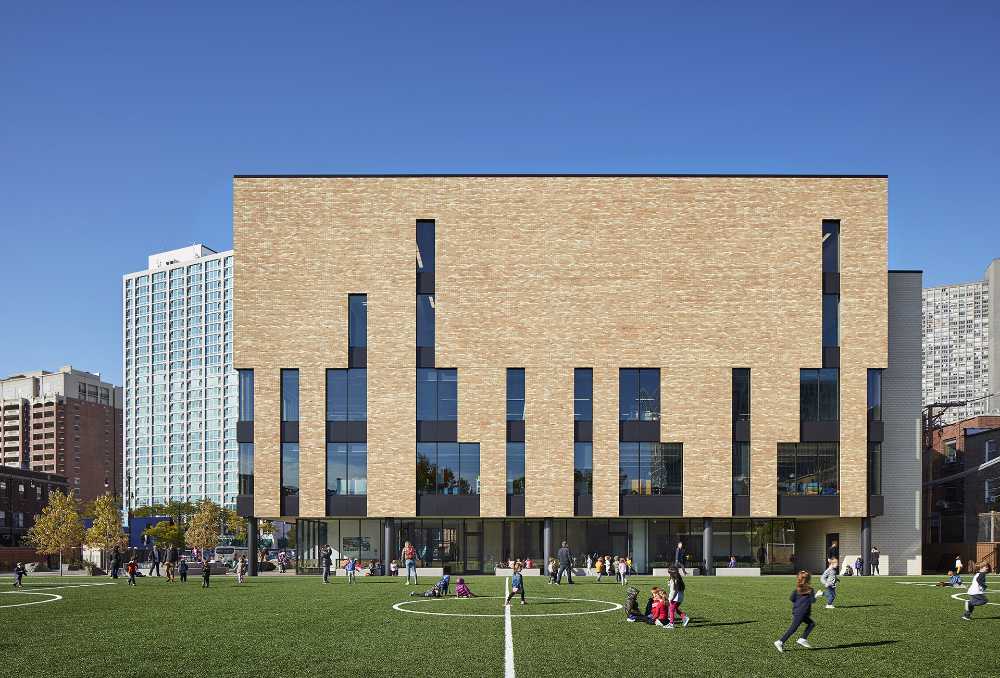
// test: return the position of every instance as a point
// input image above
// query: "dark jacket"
(183, 567)
(565, 557)
(679, 555)
(156, 557)
(801, 603)
(172, 555)
(325, 559)
(206, 569)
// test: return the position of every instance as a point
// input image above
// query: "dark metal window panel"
(244, 505)
(437, 431)
(290, 505)
(876, 431)
(639, 431)
(831, 356)
(741, 505)
(515, 504)
(448, 505)
(425, 356)
(583, 431)
(425, 282)
(876, 505)
(741, 431)
(346, 505)
(289, 431)
(583, 505)
(820, 432)
(244, 431)
(651, 505)
(809, 505)
(515, 431)
(831, 283)
(357, 356)
(347, 432)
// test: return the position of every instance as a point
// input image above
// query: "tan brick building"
(487, 365)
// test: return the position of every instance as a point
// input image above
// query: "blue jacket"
(801, 603)
(517, 581)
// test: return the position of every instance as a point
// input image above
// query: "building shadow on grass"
(846, 646)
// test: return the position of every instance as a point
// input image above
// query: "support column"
(387, 550)
(252, 545)
(866, 545)
(706, 547)
(546, 543)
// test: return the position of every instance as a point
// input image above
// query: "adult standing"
(154, 563)
(116, 562)
(874, 559)
(833, 552)
(680, 558)
(172, 557)
(761, 556)
(565, 557)
(325, 561)
(409, 558)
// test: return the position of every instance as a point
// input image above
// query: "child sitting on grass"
(632, 611)
(954, 581)
(439, 590)
(658, 614)
(462, 590)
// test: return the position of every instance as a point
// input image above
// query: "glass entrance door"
(473, 553)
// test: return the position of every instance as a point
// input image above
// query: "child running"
(462, 590)
(19, 573)
(977, 592)
(600, 569)
(802, 599)
(829, 579)
(516, 584)
(131, 569)
(623, 572)
(675, 597)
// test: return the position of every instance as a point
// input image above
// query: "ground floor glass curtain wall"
(478, 546)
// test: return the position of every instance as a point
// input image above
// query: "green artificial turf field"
(296, 626)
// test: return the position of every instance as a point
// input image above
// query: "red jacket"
(659, 610)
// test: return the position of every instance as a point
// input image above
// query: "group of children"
(662, 607)
(619, 566)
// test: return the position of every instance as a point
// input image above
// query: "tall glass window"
(289, 395)
(741, 394)
(639, 395)
(245, 394)
(347, 468)
(874, 395)
(831, 246)
(808, 468)
(357, 320)
(425, 321)
(650, 468)
(583, 468)
(741, 469)
(583, 394)
(819, 398)
(831, 320)
(515, 468)
(437, 394)
(347, 395)
(448, 468)
(246, 468)
(425, 246)
(874, 468)
(289, 469)
(515, 394)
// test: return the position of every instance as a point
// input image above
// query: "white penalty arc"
(51, 598)
(402, 607)
(958, 596)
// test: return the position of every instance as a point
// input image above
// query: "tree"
(265, 528)
(236, 525)
(106, 531)
(205, 527)
(167, 533)
(58, 527)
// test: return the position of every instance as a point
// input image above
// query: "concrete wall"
(897, 532)
(694, 275)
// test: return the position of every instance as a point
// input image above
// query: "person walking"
(326, 561)
(680, 558)
(154, 563)
(116, 563)
(172, 558)
(874, 559)
(409, 558)
(977, 592)
(182, 569)
(565, 557)
(802, 599)
(958, 564)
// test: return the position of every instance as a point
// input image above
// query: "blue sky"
(121, 126)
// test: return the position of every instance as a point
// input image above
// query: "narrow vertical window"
(874, 395)
(289, 395)
(831, 320)
(245, 395)
(357, 330)
(515, 468)
(425, 246)
(515, 394)
(347, 447)
(741, 432)
(425, 330)
(741, 394)
(289, 440)
(741, 469)
(583, 468)
(583, 416)
(831, 246)
(583, 394)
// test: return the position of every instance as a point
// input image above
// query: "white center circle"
(52, 597)
(402, 607)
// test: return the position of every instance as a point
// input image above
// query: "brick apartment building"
(487, 365)
(23, 495)
(67, 423)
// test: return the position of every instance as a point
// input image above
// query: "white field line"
(52, 597)
(956, 597)
(67, 586)
(508, 636)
